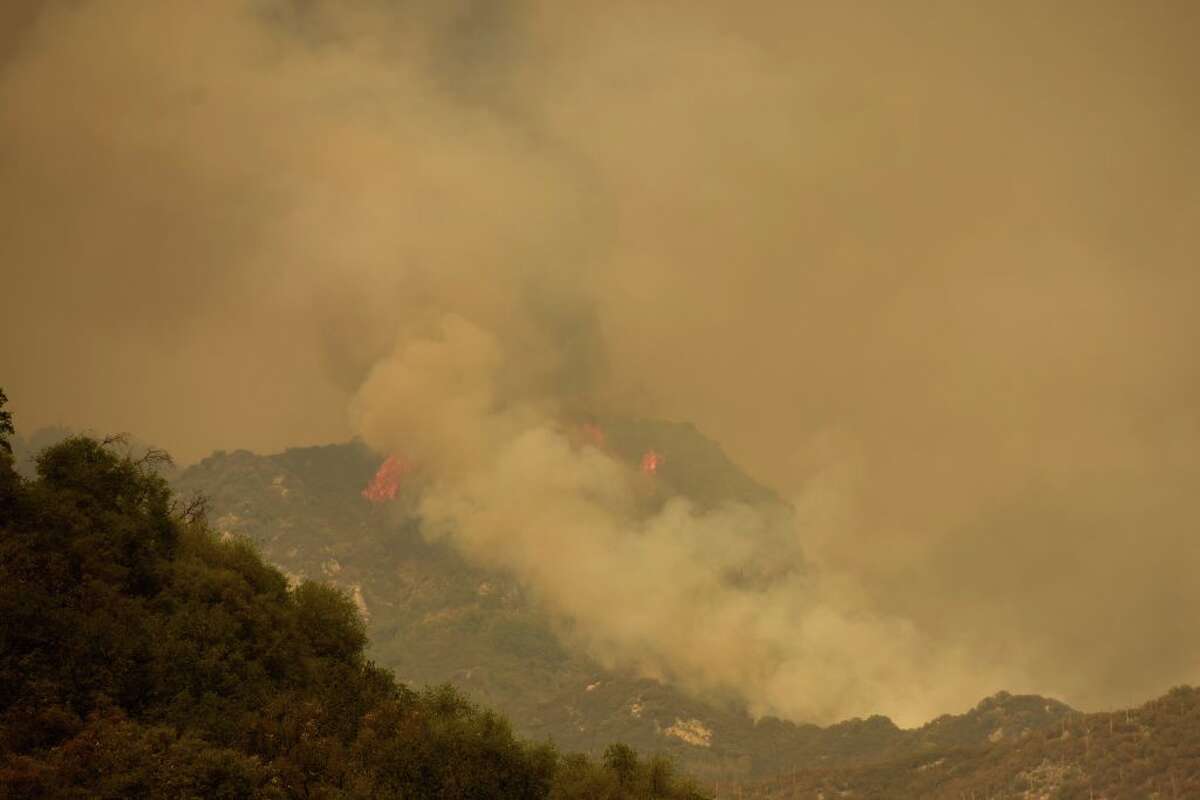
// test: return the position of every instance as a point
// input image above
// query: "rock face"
(434, 618)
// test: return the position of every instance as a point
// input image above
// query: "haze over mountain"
(145, 654)
(431, 617)
(928, 272)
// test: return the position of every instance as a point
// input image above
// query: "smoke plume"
(927, 270)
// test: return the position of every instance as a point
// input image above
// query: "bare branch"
(194, 510)
(115, 439)
(155, 457)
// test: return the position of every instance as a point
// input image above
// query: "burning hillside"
(386, 483)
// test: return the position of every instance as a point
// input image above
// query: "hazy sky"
(928, 268)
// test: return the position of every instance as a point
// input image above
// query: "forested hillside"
(142, 656)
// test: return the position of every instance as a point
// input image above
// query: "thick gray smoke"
(928, 270)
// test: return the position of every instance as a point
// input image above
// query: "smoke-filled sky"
(929, 269)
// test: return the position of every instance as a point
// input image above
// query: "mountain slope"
(433, 617)
(1148, 752)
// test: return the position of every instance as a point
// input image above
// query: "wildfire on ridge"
(386, 483)
(590, 433)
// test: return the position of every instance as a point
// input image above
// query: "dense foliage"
(143, 656)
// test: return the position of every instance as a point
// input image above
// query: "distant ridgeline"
(143, 655)
(1148, 752)
(433, 617)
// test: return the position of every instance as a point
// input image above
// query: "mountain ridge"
(433, 616)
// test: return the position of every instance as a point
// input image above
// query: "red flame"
(651, 461)
(386, 483)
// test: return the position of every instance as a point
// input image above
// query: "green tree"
(622, 761)
(143, 656)
(329, 621)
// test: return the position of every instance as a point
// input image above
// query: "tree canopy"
(142, 656)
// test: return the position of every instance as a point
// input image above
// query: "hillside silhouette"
(142, 656)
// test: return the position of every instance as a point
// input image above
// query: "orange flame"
(386, 483)
(651, 461)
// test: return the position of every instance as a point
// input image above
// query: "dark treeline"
(143, 657)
